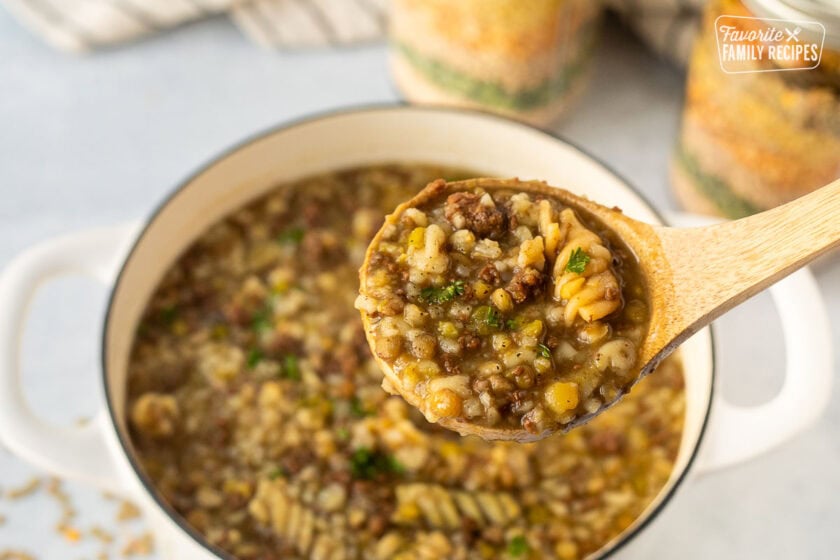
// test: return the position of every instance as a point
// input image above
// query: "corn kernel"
(416, 237)
(447, 329)
(561, 396)
(410, 376)
(450, 449)
(280, 286)
(378, 279)
(481, 289)
(534, 328)
(501, 299)
(240, 487)
(566, 550)
(542, 365)
(407, 512)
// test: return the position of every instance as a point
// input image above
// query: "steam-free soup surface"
(256, 409)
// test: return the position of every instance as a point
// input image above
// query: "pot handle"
(78, 452)
(739, 433)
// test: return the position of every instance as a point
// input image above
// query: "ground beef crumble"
(465, 210)
(526, 282)
(490, 274)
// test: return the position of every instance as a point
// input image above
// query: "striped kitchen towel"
(668, 26)
(84, 25)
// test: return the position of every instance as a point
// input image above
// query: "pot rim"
(148, 485)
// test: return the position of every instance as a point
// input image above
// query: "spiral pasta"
(438, 507)
(593, 293)
(296, 523)
(422, 545)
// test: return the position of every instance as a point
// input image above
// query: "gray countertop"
(101, 139)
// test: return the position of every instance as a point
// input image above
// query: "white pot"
(133, 259)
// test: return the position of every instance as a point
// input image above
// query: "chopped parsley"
(443, 294)
(342, 434)
(512, 324)
(169, 314)
(277, 473)
(291, 369)
(261, 320)
(577, 261)
(357, 408)
(255, 355)
(544, 350)
(367, 464)
(518, 546)
(291, 236)
(489, 316)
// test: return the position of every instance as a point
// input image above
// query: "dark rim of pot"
(149, 485)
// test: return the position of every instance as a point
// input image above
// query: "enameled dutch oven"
(131, 259)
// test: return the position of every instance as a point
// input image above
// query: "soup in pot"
(255, 407)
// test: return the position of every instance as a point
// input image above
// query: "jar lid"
(827, 12)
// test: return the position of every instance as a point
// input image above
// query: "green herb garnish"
(169, 313)
(544, 350)
(342, 434)
(443, 294)
(277, 473)
(511, 324)
(254, 357)
(357, 408)
(261, 320)
(291, 369)
(292, 236)
(489, 316)
(577, 261)
(367, 464)
(518, 546)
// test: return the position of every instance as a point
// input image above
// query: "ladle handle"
(737, 433)
(715, 268)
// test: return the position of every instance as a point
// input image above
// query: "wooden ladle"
(693, 274)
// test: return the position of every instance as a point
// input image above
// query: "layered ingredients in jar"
(755, 140)
(493, 54)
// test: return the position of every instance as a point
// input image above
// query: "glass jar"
(496, 55)
(751, 141)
